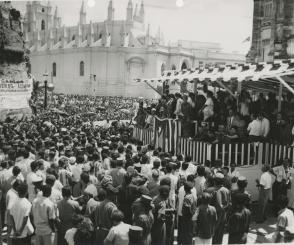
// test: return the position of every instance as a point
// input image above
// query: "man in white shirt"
(178, 111)
(174, 183)
(265, 125)
(119, 233)
(265, 185)
(181, 197)
(255, 130)
(22, 228)
(11, 199)
(44, 216)
(285, 222)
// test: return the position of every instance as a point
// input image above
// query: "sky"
(228, 22)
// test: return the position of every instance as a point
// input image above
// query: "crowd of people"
(223, 118)
(64, 181)
(100, 107)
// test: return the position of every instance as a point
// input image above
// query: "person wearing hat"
(241, 184)
(161, 205)
(205, 219)
(102, 215)
(221, 195)
(239, 221)
(181, 197)
(188, 210)
(145, 219)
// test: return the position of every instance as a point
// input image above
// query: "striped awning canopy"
(258, 76)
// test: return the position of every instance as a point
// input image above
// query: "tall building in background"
(273, 30)
(104, 58)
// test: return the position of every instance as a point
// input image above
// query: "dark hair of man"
(201, 171)
(15, 171)
(16, 184)
(188, 158)
(190, 178)
(22, 190)
(101, 194)
(117, 216)
(66, 192)
(61, 163)
(205, 198)
(185, 166)
(34, 166)
(144, 159)
(282, 201)
(46, 189)
(165, 181)
(4, 164)
(169, 168)
(242, 184)
(85, 178)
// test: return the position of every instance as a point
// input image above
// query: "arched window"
(59, 39)
(43, 25)
(73, 37)
(174, 67)
(82, 68)
(43, 10)
(100, 36)
(54, 69)
(184, 66)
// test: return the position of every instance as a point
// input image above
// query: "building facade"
(273, 30)
(104, 58)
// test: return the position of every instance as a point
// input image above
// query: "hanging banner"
(14, 98)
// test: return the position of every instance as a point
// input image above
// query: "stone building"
(104, 58)
(273, 30)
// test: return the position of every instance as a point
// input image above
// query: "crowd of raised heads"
(64, 181)
(224, 118)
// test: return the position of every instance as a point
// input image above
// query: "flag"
(166, 134)
(247, 40)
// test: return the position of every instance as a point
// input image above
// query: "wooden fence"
(242, 154)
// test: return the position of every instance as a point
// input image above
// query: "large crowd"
(65, 181)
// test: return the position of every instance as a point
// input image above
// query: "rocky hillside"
(12, 49)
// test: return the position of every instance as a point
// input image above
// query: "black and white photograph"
(146, 122)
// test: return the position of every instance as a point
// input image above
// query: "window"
(174, 67)
(73, 37)
(82, 68)
(43, 10)
(184, 66)
(54, 69)
(268, 9)
(43, 25)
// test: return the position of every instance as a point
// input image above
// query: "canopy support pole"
(280, 97)
(239, 89)
(153, 88)
(282, 81)
(225, 87)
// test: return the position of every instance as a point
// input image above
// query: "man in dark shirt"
(67, 209)
(239, 221)
(205, 218)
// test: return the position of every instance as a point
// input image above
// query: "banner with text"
(14, 97)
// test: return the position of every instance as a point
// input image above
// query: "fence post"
(260, 153)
